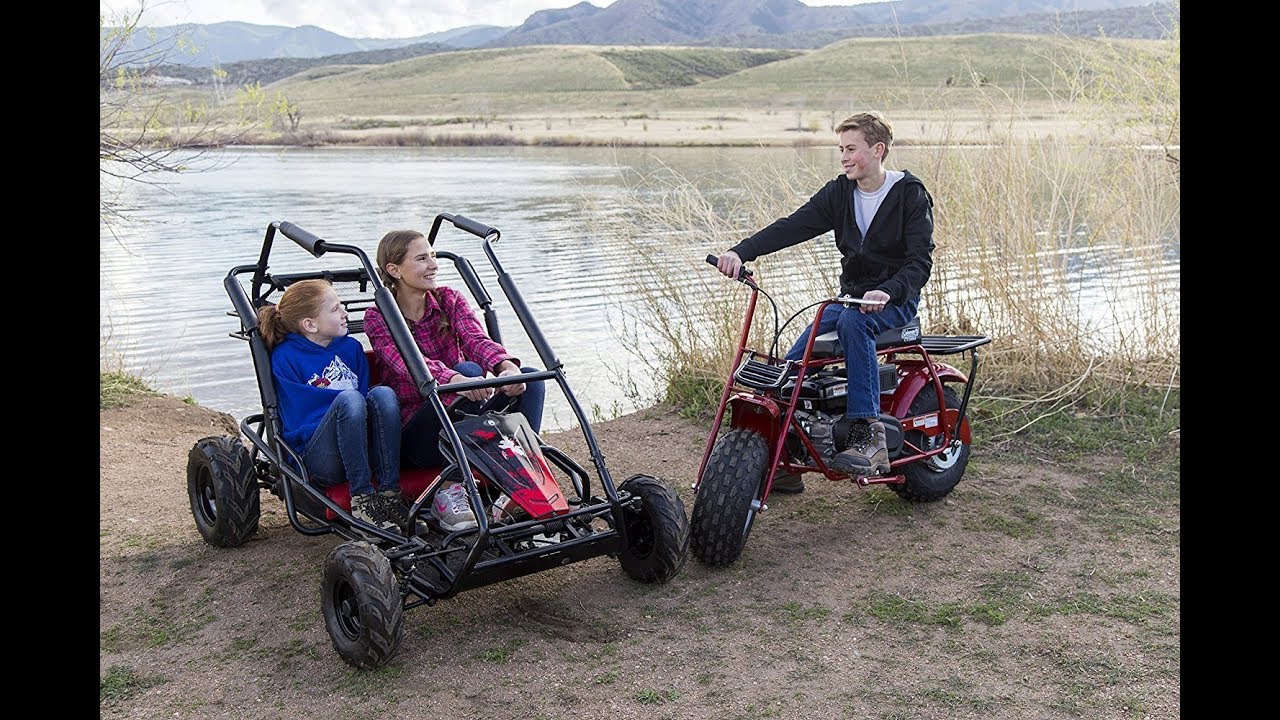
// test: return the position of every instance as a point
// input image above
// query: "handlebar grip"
(310, 243)
(480, 230)
(743, 272)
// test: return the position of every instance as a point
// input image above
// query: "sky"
(357, 18)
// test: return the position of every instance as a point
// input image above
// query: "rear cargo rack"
(951, 344)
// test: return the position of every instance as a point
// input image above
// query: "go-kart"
(789, 417)
(536, 508)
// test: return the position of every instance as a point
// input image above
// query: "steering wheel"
(497, 400)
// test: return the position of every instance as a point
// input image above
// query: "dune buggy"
(790, 417)
(536, 508)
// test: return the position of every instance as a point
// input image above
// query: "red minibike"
(789, 417)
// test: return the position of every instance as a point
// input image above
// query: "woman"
(454, 344)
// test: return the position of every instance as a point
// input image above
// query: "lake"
(163, 310)
(162, 304)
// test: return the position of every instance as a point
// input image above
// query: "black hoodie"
(896, 255)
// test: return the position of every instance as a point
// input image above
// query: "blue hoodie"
(308, 378)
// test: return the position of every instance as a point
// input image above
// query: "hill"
(725, 23)
(761, 22)
(621, 80)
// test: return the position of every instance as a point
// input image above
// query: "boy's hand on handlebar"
(729, 264)
(476, 394)
(879, 296)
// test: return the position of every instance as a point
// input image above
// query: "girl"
(454, 344)
(330, 415)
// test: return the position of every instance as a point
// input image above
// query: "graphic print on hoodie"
(336, 376)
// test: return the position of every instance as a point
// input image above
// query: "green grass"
(122, 682)
(1135, 609)
(794, 612)
(649, 69)
(650, 696)
(117, 389)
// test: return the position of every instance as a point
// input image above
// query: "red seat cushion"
(375, 368)
(413, 481)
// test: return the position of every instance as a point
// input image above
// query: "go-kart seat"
(412, 480)
(828, 344)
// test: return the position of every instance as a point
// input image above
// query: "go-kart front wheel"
(363, 609)
(656, 535)
(223, 491)
(728, 497)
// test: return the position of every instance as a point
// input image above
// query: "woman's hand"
(476, 394)
(506, 369)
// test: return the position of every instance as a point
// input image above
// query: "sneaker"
(451, 509)
(866, 453)
(370, 508)
(787, 483)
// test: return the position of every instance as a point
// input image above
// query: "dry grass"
(1057, 247)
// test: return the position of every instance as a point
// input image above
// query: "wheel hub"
(945, 459)
(347, 610)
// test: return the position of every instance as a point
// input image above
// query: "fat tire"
(925, 480)
(223, 491)
(362, 604)
(722, 512)
(657, 534)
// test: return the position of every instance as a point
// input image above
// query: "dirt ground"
(1026, 593)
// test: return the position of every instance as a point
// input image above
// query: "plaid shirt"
(467, 341)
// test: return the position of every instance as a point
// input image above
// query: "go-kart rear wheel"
(728, 497)
(223, 491)
(934, 477)
(363, 608)
(656, 534)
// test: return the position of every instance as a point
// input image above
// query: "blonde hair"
(300, 301)
(875, 129)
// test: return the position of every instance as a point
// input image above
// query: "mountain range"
(727, 23)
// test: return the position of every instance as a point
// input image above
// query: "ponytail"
(271, 325)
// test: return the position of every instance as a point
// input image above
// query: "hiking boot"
(373, 510)
(787, 483)
(393, 503)
(866, 453)
(451, 509)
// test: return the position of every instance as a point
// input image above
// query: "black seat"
(828, 345)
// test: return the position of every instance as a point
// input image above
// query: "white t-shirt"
(865, 205)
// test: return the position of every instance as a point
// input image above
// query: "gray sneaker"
(866, 453)
(787, 483)
(451, 509)
(371, 509)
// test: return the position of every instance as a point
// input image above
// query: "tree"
(150, 128)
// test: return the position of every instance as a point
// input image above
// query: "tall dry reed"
(1063, 249)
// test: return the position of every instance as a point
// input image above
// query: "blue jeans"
(355, 429)
(857, 332)
(420, 438)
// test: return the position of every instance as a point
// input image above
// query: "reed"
(1023, 226)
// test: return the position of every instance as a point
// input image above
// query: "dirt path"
(1032, 591)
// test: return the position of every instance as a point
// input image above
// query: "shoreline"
(683, 129)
